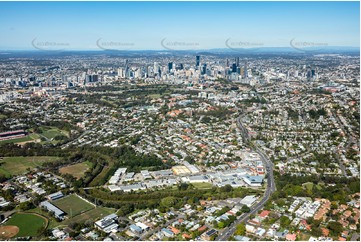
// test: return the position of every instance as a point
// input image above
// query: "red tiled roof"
(325, 232)
(186, 236)
(291, 237)
(174, 230)
(203, 228)
(264, 213)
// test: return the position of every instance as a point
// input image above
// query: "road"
(344, 130)
(266, 161)
(271, 187)
(153, 231)
(355, 237)
(71, 142)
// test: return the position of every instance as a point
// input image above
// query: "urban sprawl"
(187, 146)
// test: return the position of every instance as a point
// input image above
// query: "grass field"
(76, 170)
(94, 214)
(19, 140)
(46, 132)
(304, 237)
(73, 205)
(52, 222)
(51, 132)
(318, 187)
(153, 96)
(202, 185)
(18, 164)
(308, 186)
(29, 224)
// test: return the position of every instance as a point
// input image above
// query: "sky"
(177, 25)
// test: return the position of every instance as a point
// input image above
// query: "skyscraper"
(121, 73)
(91, 78)
(237, 61)
(234, 67)
(149, 71)
(245, 73)
(309, 74)
(170, 66)
(95, 78)
(156, 69)
(204, 69)
(126, 68)
(198, 61)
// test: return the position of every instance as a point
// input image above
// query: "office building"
(204, 69)
(156, 69)
(234, 67)
(198, 61)
(237, 61)
(170, 66)
(245, 72)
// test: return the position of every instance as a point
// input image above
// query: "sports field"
(202, 185)
(94, 214)
(18, 140)
(76, 170)
(73, 205)
(9, 231)
(28, 224)
(18, 164)
(51, 132)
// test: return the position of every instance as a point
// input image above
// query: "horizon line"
(206, 49)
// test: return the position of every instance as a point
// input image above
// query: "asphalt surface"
(271, 187)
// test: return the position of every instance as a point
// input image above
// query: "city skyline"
(180, 121)
(177, 25)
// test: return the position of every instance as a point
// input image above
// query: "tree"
(241, 229)
(334, 205)
(168, 202)
(189, 159)
(226, 188)
(310, 220)
(354, 187)
(213, 237)
(335, 228)
(183, 186)
(280, 202)
(316, 231)
(284, 221)
(221, 224)
(26, 206)
(245, 209)
(73, 225)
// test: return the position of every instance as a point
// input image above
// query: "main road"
(271, 187)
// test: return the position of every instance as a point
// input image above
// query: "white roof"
(143, 226)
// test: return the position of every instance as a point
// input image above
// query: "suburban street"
(153, 231)
(271, 187)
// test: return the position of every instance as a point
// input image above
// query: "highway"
(271, 187)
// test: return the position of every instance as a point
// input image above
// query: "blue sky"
(181, 25)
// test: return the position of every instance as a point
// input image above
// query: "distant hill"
(205, 52)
